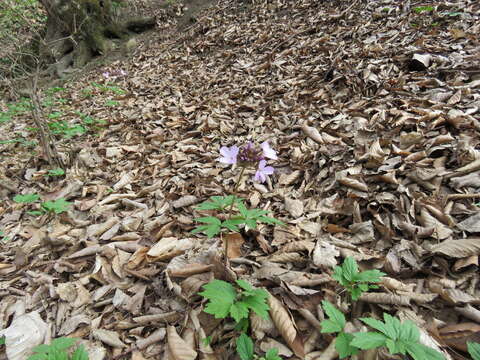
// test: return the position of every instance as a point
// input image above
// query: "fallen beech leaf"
(179, 349)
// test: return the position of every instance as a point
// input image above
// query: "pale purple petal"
(268, 152)
(260, 177)
(229, 154)
(106, 74)
(263, 171)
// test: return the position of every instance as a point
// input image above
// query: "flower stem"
(230, 215)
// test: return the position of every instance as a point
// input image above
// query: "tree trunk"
(78, 30)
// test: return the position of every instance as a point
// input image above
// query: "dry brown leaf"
(179, 349)
(285, 325)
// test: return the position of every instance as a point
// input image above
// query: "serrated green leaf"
(245, 347)
(209, 220)
(239, 311)
(270, 220)
(421, 352)
(245, 285)
(369, 276)
(392, 325)
(42, 349)
(26, 199)
(257, 304)
(221, 296)
(62, 343)
(376, 324)
(409, 332)
(474, 350)
(272, 354)
(368, 340)
(243, 209)
(2, 340)
(336, 321)
(355, 293)
(57, 206)
(338, 275)
(38, 357)
(232, 224)
(252, 224)
(343, 345)
(350, 269)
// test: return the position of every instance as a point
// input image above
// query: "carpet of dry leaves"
(373, 109)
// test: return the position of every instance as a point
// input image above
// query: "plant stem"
(231, 207)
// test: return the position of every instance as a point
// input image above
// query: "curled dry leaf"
(178, 348)
(457, 335)
(458, 248)
(285, 325)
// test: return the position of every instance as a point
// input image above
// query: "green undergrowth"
(63, 120)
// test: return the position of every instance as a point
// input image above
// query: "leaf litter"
(373, 109)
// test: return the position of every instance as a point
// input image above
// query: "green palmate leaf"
(336, 321)
(377, 325)
(369, 276)
(57, 206)
(211, 229)
(232, 224)
(343, 345)
(63, 343)
(350, 269)
(368, 340)
(421, 352)
(245, 347)
(26, 199)
(474, 350)
(244, 285)
(217, 203)
(56, 172)
(258, 304)
(270, 220)
(239, 311)
(221, 296)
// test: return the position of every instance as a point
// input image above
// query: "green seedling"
(422, 9)
(354, 281)
(335, 324)
(226, 300)
(66, 130)
(213, 225)
(474, 350)
(55, 207)
(59, 349)
(397, 337)
(245, 350)
(55, 172)
(26, 199)
(111, 103)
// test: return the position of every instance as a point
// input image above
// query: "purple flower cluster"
(249, 155)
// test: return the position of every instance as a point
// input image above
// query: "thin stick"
(463, 196)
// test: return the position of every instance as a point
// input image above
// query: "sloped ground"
(373, 108)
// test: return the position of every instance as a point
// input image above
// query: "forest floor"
(373, 108)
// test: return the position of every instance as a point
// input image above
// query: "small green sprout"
(225, 300)
(354, 281)
(422, 9)
(55, 172)
(55, 207)
(26, 199)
